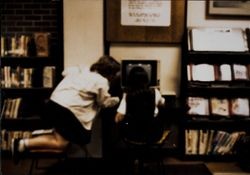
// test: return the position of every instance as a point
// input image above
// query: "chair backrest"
(140, 123)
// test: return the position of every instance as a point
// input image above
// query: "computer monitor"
(150, 66)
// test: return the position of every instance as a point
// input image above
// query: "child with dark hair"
(73, 106)
(138, 109)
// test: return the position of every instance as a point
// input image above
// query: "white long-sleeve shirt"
(82, 92)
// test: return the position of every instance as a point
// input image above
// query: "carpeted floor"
(99, 167)
(194, 169)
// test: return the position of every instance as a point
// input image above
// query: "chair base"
(142, 152)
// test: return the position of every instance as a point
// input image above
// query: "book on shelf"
(219, 141)
(211, 134)
(17, 104)
(15, 77)
(188, 138)
(192, 139)
(21, 45)
(42, 43)
(27, 77)
(216, 138)
(11, 107)
(7, 108)
(203, 139)
(198, 106)
(240, 72)
(49, 76)
(225, 72)
(240, 106)
(2, 46)
(6, 76)
(14, 45)
(4, 108)
(220, 106)
(203, 72)
(189, 75)
(224, 146)
(218, 39)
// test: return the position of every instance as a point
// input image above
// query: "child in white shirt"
(73, 106)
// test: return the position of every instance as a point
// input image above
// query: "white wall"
(83, 44)
(83, 39)
(83, 31)
(197, 17)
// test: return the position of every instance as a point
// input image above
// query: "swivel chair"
(143, 133)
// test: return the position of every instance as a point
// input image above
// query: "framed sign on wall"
(229, 8)
(153, 21)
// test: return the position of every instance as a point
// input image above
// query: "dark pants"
(65, 123)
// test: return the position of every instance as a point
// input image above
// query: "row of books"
(224, 72)
(7, 136)
(211, 142)
(22, 45)
(218, 106)
(23, 77)
(11, 107)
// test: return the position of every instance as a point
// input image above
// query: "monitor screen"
(150, 66)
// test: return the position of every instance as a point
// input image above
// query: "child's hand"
(110, 102)
(119, 117)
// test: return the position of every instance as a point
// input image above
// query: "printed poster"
(145, 13)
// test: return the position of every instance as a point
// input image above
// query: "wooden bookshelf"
(35, 94)
(208, 89)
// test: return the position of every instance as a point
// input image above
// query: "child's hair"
(138, 91)
(107, 66)
(138, 78)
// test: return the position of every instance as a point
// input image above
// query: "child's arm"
(119, 117)
(105, 100)
(121, 110)
(160, 99)
(111, 101)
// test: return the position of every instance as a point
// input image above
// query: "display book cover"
(218, 39)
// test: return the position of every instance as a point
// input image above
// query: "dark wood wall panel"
(115, 32)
